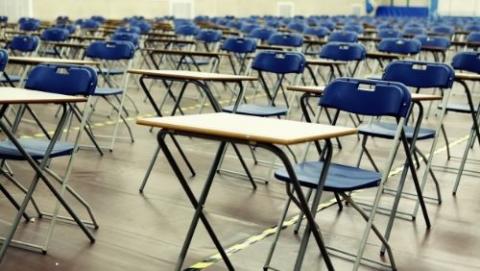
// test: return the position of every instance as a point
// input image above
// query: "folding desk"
(16, 96)
(183, 55)
(200, 79)
(266, 133)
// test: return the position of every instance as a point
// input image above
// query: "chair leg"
(447, 144)
(373, 227)
(13, 201)
(432, 174)
(149, 169)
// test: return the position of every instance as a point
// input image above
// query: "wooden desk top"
(9, 95)
(68, 44)
(315, 42)
(467, 76)
(170, 40)
(382, 55)
(324, 62)
(26, 60)
(193, 75)
(254, 129)
(81, 37)
(315, 90)
(434, 49)
(420, 97)
(180, 52)
(275, 47)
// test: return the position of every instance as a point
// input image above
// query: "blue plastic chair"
(437, 44)
(297, 26)
(363, 97)
(247, 28)
(443, 30)
(239, 49)
(389, 33)
(262, 33)
(319, 32)
(209, 38)
(3, 19)
(24, 44)
(466, 62)
(280, 64)
(29, 24)
(414, 31)
(286, 39)
(343, 36)
(144, 26)
(473, 40)
(399, 46)
(418, 75)
(354, 28)
(131, 37)
(129, 30)
(344, 51)
(67, 80)
(187, 30)
(89, 25)
(120, 54)
(55, 34)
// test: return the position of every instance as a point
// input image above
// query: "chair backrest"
(248, 27)
(55, 34)
(144, 26)
(209, 36)
(472, 28)
(418, 74)
(467, 61)
(98, 18)
(62, 79)
(89, 24)
(131, 37)
(367, 97)
(129, 30)
(29, 24)
(71, 28)
(262, 33)
(343, 36)
(186, 30)
(443, 30)
(399, 46)
(439, 42)
(389, 33)
(111, 50)
(297, 26)
(279, 62)
(329, 25)
(473, 37)
(239, 45)
(414, 30)
(319, 31)
(343, 51)
(3, 59)
(24, 43)
(354, 28)
(286, 39)
(3, 19)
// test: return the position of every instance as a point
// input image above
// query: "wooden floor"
(145, 232)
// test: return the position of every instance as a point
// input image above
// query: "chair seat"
(112, 71)
(459, 108)
(107, 91)
(387, 130)
(258, 110)
(35, 148)
(198, 61)
(340, 178)
(13, 78)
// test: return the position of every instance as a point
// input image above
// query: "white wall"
(50, 9)
(15, 9)
(459, 7)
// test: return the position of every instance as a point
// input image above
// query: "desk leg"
(39, 175)
(198, 205)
